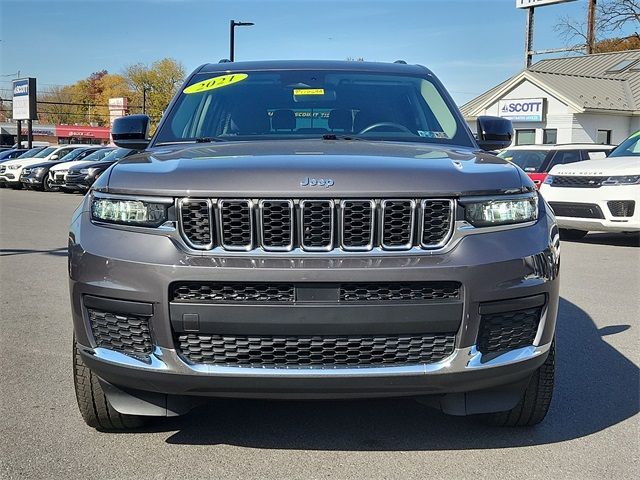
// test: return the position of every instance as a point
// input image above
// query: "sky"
(471, 45)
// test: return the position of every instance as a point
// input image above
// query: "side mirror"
(54, 157)
(494, 133)
(131, 132)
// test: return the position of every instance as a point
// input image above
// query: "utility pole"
(591, 26)
(528, 41)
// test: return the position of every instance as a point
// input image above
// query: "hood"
(25, 162)
(604, 167)
(312, 168)
(91, 164)
(69, 165)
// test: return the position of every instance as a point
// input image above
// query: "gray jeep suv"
(313, 230)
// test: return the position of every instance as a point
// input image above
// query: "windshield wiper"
(194, 140)
(333, 136)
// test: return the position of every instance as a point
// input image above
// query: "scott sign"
(24, 99)
(522, 110)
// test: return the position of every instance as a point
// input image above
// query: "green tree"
(157, 82)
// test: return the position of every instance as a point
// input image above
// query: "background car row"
(57, 167)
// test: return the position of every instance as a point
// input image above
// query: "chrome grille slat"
(357, 223)
(236, 224)
(276, 225)
(316, 225)
(436, 217)
(195, 217)
(398, 218)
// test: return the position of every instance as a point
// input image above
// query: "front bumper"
(601, 197)
(10, 177)
(133, 266)
(78, 181)
(32, 179)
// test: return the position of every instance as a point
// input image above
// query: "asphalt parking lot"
(592, 430)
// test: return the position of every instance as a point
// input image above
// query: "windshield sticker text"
(215, 82)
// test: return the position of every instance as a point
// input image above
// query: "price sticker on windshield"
(308, 91)
(215, 82)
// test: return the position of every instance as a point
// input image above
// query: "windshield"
(46, 152)
(98, 154)
(116, 154)
(528, 160)
(310, 104)
(629, 148)
(31, 153)
(72, 155)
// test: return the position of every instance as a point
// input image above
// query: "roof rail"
(224, 60)
(400, 61)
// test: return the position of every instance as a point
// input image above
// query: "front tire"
(570, 234)
(93, 404)
(534, 405)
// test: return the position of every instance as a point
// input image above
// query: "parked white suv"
(10, 171)
(597, 195)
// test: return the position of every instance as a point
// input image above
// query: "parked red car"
(537, 160)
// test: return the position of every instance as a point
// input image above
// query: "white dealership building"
(585, 99)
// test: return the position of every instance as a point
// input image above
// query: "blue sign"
(24, 99)
(522, 110)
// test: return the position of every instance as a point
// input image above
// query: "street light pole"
(145, 89)
(232, 25)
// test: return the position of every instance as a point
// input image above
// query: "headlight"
(89, 171)
(622, 180)
(128, 212)
(84, 171)
(492, 212)
(38, 170)
(13, 167)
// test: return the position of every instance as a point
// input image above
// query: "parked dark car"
(313, 230)
(58, 173)
(37, 176)
(12, 153)
(80, 178)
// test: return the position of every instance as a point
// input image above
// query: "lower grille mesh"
(217, 292)
(310, 351)
(622, 208)
(125, 333)
(367, 292)
(508, 330)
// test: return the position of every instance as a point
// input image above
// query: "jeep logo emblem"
(317, 182)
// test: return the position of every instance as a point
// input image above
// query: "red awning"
(82, 131)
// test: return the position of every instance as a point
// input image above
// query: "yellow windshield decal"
(215, 82)
(308, 91)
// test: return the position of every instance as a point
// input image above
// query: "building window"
(526, 137)
(604, 137)
(549, 136)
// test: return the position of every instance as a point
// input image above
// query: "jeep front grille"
(196, 221)
(236, 224)
(316, 225)
(314, 351)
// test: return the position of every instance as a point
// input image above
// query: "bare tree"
(611, 16)
(615, 14)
